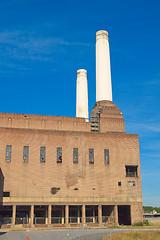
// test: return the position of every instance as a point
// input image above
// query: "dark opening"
(6, 194)
(119, 184)
(75, 214)
(124, 215)
(22, 214)
(58, 212)
(131, 171)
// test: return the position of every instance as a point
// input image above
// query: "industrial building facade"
(68, 171)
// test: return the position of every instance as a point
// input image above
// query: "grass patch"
(138, 235)
(141, 224)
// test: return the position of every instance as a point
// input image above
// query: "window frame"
(106, 156)
(8, 153)
(91, 153)
(75, 155)
(42, 154)
(131, 173)
(26, 160)
(59, 154)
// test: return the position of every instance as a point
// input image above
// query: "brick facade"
(70, 184)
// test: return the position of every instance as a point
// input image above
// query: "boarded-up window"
(42, 154)
(91, 156)
(8, 152)
(106, 156)
(75, 155)
(59, 155)
(25, 153)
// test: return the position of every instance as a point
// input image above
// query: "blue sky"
(44, 42)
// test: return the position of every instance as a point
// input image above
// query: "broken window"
(59, 155)
(42, 154)
(25, 153)
(91, 156)
(106, 156)
(131, 171)
(8, 152)
(131, 183)
(75, 155)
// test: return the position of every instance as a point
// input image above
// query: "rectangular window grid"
(131, 171)
(106, 156)
(42, 154)
(91, 156)
(59, 155)
(25, 153)
(75, 155)
(8, 152)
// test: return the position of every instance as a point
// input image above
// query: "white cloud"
(20, 45)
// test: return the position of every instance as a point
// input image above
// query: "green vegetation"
(148, 209)
(141, 224)
(138, 235)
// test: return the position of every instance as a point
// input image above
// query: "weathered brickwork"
(67, 183)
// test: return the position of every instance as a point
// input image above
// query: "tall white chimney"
(103, 70)
(82, 94)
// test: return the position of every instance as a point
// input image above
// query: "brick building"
(64, 171)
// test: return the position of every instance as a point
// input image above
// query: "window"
(119, 184)
(91, 156)
(131, 171)
(75, 155)
(6, 194)
(59, 155)
(106, 156)
(131, 183)
(25, 153)
(8, 152)
(42, 154)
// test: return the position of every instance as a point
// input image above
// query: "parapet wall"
(42, 122)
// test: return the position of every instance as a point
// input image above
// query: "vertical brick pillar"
(116, 214)
(32, 215)
(100, 214)
(13, 214)
(83, 214)
(49, 213)
(66, 214)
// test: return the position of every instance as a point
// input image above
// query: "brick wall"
(35, 179)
